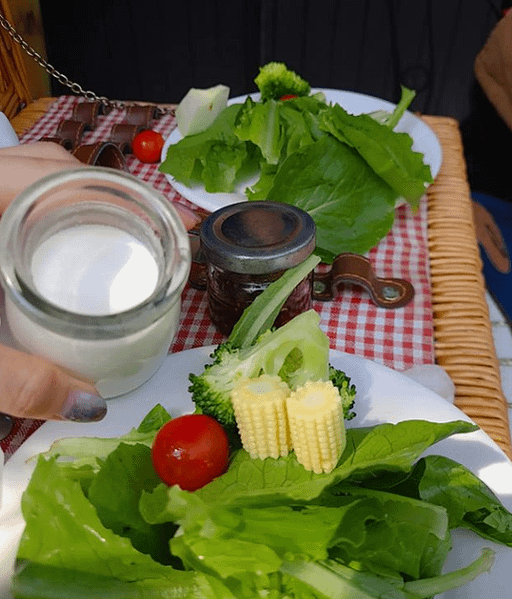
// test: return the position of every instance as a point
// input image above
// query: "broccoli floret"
(276, 80)
(211, 390)
(347, 391)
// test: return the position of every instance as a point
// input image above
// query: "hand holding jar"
(31, 384)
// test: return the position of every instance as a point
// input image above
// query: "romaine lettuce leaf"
(469, 501)
(346, 170)
(227, 530)
(214, 156)
(352, 207)
(129, 467)
(80, 452)
(382, 532)
(260, 124)
(392, 118)
(388, 153)
(74, 539)
(41, 581)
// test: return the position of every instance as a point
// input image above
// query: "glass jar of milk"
(93, 262)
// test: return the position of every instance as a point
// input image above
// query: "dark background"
(156, 50)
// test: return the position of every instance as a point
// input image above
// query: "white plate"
(424, 141)
(383, 396)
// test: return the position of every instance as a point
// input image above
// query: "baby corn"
(317, 428)
(260, 412)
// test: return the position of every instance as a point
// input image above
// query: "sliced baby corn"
(260, 412)
(317, 428)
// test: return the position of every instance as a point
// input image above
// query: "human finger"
(31, 387)
(46, 150)
(16, 174)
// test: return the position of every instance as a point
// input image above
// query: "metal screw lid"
(258, 237)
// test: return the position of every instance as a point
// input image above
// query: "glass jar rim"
(258, 237)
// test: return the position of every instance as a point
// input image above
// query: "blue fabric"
(498, 284)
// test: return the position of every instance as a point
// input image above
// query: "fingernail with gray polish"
(84, 407)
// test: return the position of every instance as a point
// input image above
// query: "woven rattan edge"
(463, 339)
(27, 117)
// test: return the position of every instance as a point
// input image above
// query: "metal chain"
(76, 88)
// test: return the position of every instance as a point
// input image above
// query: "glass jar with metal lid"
(247, 246)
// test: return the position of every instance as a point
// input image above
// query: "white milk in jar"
(93, 263)
(94, 269)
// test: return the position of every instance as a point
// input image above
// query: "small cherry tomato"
(288, 97)
(147, 146)
(190, 451)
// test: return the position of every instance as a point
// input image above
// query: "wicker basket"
(14, 88)
(464, 343)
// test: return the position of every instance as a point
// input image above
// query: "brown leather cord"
(68, 134)
(123, 134)
(141, 115)
(71, 131)
(101, 153)
(87, 113)
(355, 269)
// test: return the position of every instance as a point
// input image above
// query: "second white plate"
(424, 141)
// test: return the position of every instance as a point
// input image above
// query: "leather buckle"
(355, 269)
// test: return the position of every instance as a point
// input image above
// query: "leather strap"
(141, 114)
(101, 153)
(87, 113)
(122, 134)
(71, 131)
(68, 134)
(356, 269)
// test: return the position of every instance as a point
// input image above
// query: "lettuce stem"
(261, 314)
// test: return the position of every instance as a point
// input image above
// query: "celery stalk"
(261, 314)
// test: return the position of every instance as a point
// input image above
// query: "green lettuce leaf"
(79, 542)
(129, 467)
(391, 119)
(261, 125)
(388, 153)
(388, 533)
(214, 157)
(41, 581)
(352, 207)
(469, 501)
(382, 532)
(82, 452)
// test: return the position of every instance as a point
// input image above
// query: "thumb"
(31, 387)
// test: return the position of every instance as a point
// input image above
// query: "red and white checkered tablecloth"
(397, 338)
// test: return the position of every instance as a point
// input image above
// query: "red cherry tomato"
(147, 146)
(190, 451)
(288, 97)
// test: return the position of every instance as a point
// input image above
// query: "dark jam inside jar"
(229, 293)
(246, 247)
